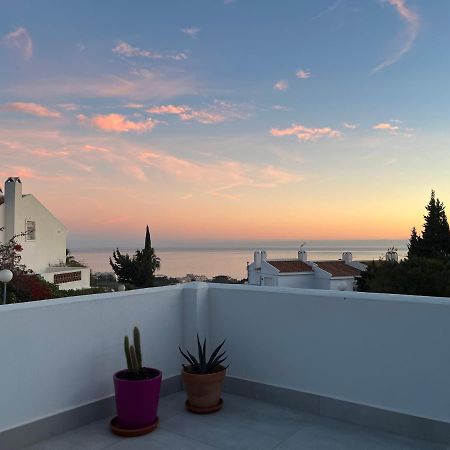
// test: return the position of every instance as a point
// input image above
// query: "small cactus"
(133, 353)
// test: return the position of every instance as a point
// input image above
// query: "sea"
(231, 259)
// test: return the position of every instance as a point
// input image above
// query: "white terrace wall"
(387, 351)
(59, 354)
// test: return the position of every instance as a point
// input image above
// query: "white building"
(300, 273)
(45, 242)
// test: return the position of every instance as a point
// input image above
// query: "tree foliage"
(435, 239)
(412, 276)
(137, 270)
(25, 285)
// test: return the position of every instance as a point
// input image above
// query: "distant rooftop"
(290, 265)
(338, 268)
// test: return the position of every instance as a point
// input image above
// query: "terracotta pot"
(203, 390)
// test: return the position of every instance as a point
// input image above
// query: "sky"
(222, 120)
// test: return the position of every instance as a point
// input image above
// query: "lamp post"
(5, 277)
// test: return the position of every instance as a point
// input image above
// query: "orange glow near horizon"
(120, 214)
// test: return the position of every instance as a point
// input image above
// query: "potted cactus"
(203, 378)
(137, 391)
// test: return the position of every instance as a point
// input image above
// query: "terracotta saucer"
(127, 432)
(205, 410)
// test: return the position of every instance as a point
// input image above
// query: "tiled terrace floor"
(242, 424)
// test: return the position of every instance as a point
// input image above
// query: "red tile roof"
(338, 268)
(290, 266)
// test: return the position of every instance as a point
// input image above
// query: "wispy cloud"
(219, 177)
(139, 85)
(21, 40)
(385, 126)
(281, 85)
(133, 105)
(125, 49)
(303, 74)
(69, 106)
(191, 31)
(409, 36)
(305, 133)
(351, 126)
(46, 153)
(281, 108)
(120, 124)
(218, 112)
(330, 8)
(95, 148)
(30, 108)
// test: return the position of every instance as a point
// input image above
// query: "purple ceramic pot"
(137, 400)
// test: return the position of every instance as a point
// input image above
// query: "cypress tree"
(435, 239)
(138, 270)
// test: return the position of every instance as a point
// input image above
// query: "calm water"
(232, 261)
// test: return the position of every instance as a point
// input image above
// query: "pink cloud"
(120, 124)
(219, 176)
(303, 74)
(44, 153)
(281, 85)
(125, 49)
(386, 127)
(351, 126)
(94, 148)
(21, 40)
(30, 108)
(185, 113)
(306, 134)
(169, 109)
(412, 30)
(26, 172)
(216, 113)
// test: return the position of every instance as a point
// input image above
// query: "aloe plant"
(202, 365)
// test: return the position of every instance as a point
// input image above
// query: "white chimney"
(302, 255)
(13, 195)
(347, 257)
(257, 259)
(392, 255)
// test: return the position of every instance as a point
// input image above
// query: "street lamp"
(5, 277)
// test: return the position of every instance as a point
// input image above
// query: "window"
(30, 229)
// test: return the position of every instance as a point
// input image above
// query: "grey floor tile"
(231, 428)
(242, 424)
(171, 405)
(95, 436)
(329, 434)
(161, 440)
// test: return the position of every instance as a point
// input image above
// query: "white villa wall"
(2, 222)
(297, 280)
(49, 248)
(85, 281)
(387, 351)
(337, 284)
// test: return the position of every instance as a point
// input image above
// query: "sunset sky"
(227, 120)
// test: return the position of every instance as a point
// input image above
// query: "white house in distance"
(45, 242)
(300, 273)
